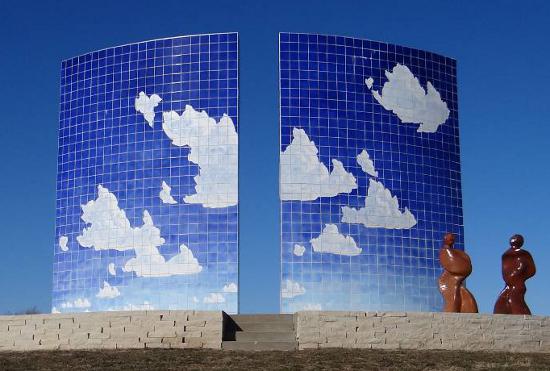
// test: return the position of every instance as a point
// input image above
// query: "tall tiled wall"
(112, 330)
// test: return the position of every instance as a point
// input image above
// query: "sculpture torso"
(457, 266)
(517, 267)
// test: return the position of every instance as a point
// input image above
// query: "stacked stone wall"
(112, 330)
(377, 330)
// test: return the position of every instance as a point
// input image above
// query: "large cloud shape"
(305, 178)
(110, 229)
(381, 210)
(291, 289)
(214, 148)
(146, 105)
(403, 95)
(153, 264)
(107, 291)
(165, 195)
(331, 241)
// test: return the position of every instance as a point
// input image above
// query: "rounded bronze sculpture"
(517, 267)
(457, 266)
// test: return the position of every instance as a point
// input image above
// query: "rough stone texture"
(393, 330)
(112, 330)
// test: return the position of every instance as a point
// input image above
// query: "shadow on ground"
(328, 359)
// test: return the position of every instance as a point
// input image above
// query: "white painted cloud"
(214, 148)
(305, 178)
(154, 264)
(165, 195)
(214, 298)
(403, 95)
(146, 105)
(110, 229)
(331, 241)
(230, 287)
(55, 310)
(364, 160)
(112, 269)
(311, 306)
(195, 299)
(369, 82)
(107, 291)
(381, 210)
(144, 306)
(299, 250)
(291, 289)
(63, 240)
(78, 304)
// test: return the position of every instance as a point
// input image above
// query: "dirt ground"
(329, 359)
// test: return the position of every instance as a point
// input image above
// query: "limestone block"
(174, 340)
(119, 321)
(194, 342)
(391, 314)
(121, 344)
(160, 333)
(99, 335)
(302, 345)
(150, 345)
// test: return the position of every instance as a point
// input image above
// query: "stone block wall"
(112, 330)
(377, 330)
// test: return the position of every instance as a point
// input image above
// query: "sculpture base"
(415, 330)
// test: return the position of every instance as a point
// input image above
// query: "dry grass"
(329, 359)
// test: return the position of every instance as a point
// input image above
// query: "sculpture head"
(516, 241)
(449, 239)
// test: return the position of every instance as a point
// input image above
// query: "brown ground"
(329, 359)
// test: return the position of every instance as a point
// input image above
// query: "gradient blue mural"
(369, 173)
(147, 201)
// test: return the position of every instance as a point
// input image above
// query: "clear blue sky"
(504, 104)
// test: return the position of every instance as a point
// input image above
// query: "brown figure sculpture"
(517, 267)
(457, 266)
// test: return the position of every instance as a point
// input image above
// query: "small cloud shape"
(381, 210)
(214, 298)
(331, 241)
(311, 306)
(364, 160)
(55, 310)
(165, 195)
(291, 289)
(107, 291)
(195, 299)
(305, 178)
(369, 82)
(299, 250)
(146, 106)
(214, 148)
(63, 240)
(79, 303)
(403, 95)
(231, 287)
(111, 268)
